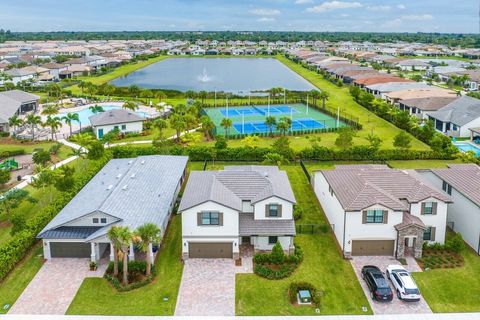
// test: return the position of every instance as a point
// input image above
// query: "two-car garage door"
(210, 250)
(373, 247)
(70, 250)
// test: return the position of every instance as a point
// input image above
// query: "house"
(394, 96)
(125, 192)
(461, 183)
(55, 69)
(412, 64)
(19, 75)
(420, 106)
(15, 102)
(240, 205)
(456, 118)
(125, 121)
(375, 210)
(381, 89)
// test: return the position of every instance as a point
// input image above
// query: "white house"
(375, 210)
(461, 182)
(124, 121)
(15, 102)
(241, 205)
(125, 192)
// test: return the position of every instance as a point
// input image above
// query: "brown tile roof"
(409, 220)
(465, 178)
(428, 104)
(421, 93)
(369, 80)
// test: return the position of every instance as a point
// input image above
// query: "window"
(210, 218)
(428, 208)
(427, 234)
(95, 220)
(273, 210)
(374, 216)
(103, 220)
(447, 188)
(115, 127)
(124, 126)
(330, 190)
(272, 240)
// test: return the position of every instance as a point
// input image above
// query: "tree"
(134, 90)
(149, 234)
(15, 122)
(345, 138)
(41, 157)
(95, 150)
(275, 158)
(277, 255)
(113, 235)
(270, 122)
(160, 125)
(65, 180)
(130, 105)
(226, 123)
(203, 95)
(110, 136)
(374, 141)
(108, 90)
(45, 179)
(11, 199)
(283, 126)
(69, 118)
(96, 109)
(83, 139)
(324, 96)
(220, 143)
(207, 126)
(177, 122)
(54, 123)
(125, 238)
(402, 141)
(33, 120)
(50, 110)
(4, 176)
(282, 147)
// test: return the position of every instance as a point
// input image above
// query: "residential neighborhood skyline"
(264, 15)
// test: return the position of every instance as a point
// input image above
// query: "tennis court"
(251, 119)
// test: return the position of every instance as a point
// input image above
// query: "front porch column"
(131, 254)
(112, 252)
(150, 250)
(93, 256)
(46, 250)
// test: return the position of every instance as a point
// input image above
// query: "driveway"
(396, 306)
(54, 286)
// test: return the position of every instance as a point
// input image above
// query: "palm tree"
(177, 122)
(160, 125)
(148, 233)
(315, 94)
(284, 125)
(270, 121)
(226, 124)
(15, 122)
(125, 238)
(96, 109)
(134, 90)
(108, 90)
(69, 118)
(50, 110)
(33, 120)
(207, 126)
(203, 95)
(82, 85)
(54, 123)
(324, 96)
(130, 105)
(113, 236)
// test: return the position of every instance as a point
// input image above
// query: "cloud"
(379, 8)
(401, 6)
(303, 1)
(334, 5)
(265, 12)
(417, 17)
(266, 19)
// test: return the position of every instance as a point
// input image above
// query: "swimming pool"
(464, 147)
(84, 114)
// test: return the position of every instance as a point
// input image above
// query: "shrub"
(455, 243)
(297, 286)
(4, 176)
(96, 150)
(277, 256)
(41, 157)
(11, 153)
(286, 267)
(297, 212)
(55, 148)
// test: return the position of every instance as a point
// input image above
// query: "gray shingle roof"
(234, 184)
(135, 191)
(114, 116)
(10, 102)
(428, 104)
(465, 178)
(250, 227)
(360, 186)
(460, 111)
(69, 233)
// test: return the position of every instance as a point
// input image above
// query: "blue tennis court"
(258, 110)
(259, 126)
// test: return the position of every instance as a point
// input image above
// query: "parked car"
(377, 283)
(403, 283)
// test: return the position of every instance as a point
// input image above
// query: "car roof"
(407, 280)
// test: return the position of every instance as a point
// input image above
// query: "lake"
(221, 74)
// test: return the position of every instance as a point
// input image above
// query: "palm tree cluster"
(184, 118)
(121, 238)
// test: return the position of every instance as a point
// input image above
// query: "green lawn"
(323, 266)
(16, 281)
(452, 290)
(97, 296)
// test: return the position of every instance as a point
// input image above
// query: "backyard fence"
(305, 171)
(343, 116)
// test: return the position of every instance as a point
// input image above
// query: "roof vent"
(119, 175)
(133, 176)
(125, 187)
(142, 162)
(110, 186)
(265, 174)
(130, 162)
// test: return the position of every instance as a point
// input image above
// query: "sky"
(445, 16)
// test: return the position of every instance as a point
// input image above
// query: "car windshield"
(381, 283)
(411, 291)
(383, 291)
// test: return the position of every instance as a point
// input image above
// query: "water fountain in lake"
(204, 76)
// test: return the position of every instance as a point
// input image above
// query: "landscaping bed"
(136, 275)
(277, 265)
(440, 259)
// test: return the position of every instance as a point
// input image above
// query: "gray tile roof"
(465, 178)
(10, 102)
(360, 186)
(234, 184)
(135, 191)
(69, 233)
(114, 116)
(428, 104)
(460, 111)
(250, 227)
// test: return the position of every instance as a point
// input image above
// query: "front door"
(245, 240)
(100, 133)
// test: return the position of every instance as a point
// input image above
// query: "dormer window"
(273, 210)
(103, 220)
(95, 220)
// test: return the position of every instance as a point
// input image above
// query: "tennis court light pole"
(284, 95)
(338, 117)
(243, 122)
(249, 96)
(215, 100)
(269, 104)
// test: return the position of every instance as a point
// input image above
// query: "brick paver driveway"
(54, 286)
(207, 288)
(396, 306)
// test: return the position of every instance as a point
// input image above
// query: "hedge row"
(16, 248)
(11, 153)
(202, 153)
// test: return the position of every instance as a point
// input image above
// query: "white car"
(403, 283)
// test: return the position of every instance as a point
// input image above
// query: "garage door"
(210, 250)
(372, 247)
(69, 250)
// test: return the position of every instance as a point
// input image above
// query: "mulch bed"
(440, 259)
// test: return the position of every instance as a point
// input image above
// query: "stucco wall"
(439, 220)
(130, 127)
(87, 221)
(261, 243)
(287, 208)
